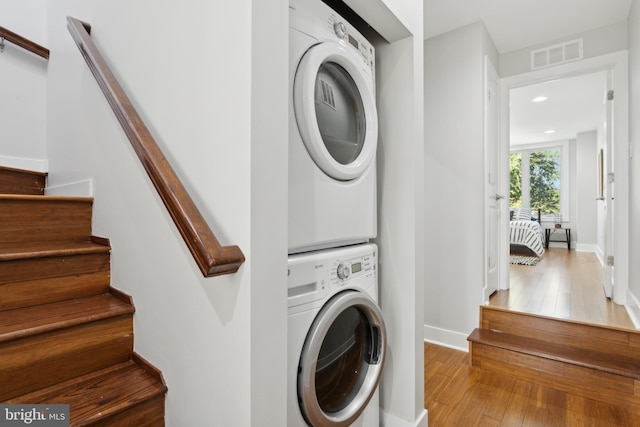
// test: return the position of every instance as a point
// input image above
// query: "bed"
(526, 237)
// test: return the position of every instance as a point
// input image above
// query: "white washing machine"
(333, 130)
(336, 338)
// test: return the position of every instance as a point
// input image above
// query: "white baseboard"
(74, 189)
(600, 255)
(587, 247)
(35, 165)
(446, 338)
(633, 309)
(390, 420)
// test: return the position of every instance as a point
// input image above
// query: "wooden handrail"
(212, 258)
(24, 43)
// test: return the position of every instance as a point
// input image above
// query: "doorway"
(612, 241)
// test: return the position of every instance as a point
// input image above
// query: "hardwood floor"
(564, 284)
(459, 395)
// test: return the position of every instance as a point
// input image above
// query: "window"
(536, 180)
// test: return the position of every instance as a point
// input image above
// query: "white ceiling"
(515, 24)
(575, 105)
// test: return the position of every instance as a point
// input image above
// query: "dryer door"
(335, 110)
(341, 361)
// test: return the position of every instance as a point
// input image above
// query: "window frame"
(563, 147)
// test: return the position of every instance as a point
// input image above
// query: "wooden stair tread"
(100, 394)
(32, 197)
(29, 321)
(50, 249)
(563, 352)
(25, 171)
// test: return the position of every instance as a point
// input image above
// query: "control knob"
(343, 271)
(340, 29)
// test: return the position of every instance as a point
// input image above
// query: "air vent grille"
(557, 54)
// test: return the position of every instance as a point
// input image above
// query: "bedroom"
(557, 174)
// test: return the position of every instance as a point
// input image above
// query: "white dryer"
(336, 338)
(333, 130)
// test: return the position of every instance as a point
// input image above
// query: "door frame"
(491, 74)
(617, 63)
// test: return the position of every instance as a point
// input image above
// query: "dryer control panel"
(352, 38)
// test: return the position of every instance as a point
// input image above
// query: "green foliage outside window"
(544, 180)
(515, 177)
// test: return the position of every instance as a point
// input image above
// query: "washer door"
(335, 110)
(341, 361)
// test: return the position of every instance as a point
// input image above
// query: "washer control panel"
(344, 270)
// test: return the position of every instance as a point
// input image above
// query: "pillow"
(522, 214)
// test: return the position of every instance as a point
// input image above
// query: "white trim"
(618, 63)
(633, 309)
(600, 255)
(74, 189)
(390, 420)
(587, 247)
(34, 165)
(446, 338)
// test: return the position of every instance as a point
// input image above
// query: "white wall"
(599, 41)
(191, 70)
(23, 85)
(586, 222)
(454, 182)
(634, 166)
(400, 171)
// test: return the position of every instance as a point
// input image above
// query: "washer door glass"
(339, 112)
(334, 106)
(342, 360)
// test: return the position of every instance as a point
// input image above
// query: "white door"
(335, 109)
(493, 197)
(609, 193)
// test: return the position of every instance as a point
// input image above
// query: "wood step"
(28, 219)
(19, 181)
(560, 351)
(36, 320)
(46, 344)
(127, 394)
(586, 336)
(31, 275)
(554, 372)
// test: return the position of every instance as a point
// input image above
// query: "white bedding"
(529, 234)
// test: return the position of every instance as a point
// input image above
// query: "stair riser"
(36, 292)
(586, 382)
(586, 336)
(42, 360)
(46, 220)
(21, 182)
(54, 267)
(147, 414)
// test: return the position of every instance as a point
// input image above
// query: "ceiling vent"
(556, 54)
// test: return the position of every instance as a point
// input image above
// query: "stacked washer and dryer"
(336, 331)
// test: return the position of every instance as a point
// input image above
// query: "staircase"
(66, 336)
(592, 361)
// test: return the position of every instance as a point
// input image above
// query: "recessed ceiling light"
(550, 131)
(539, 99)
